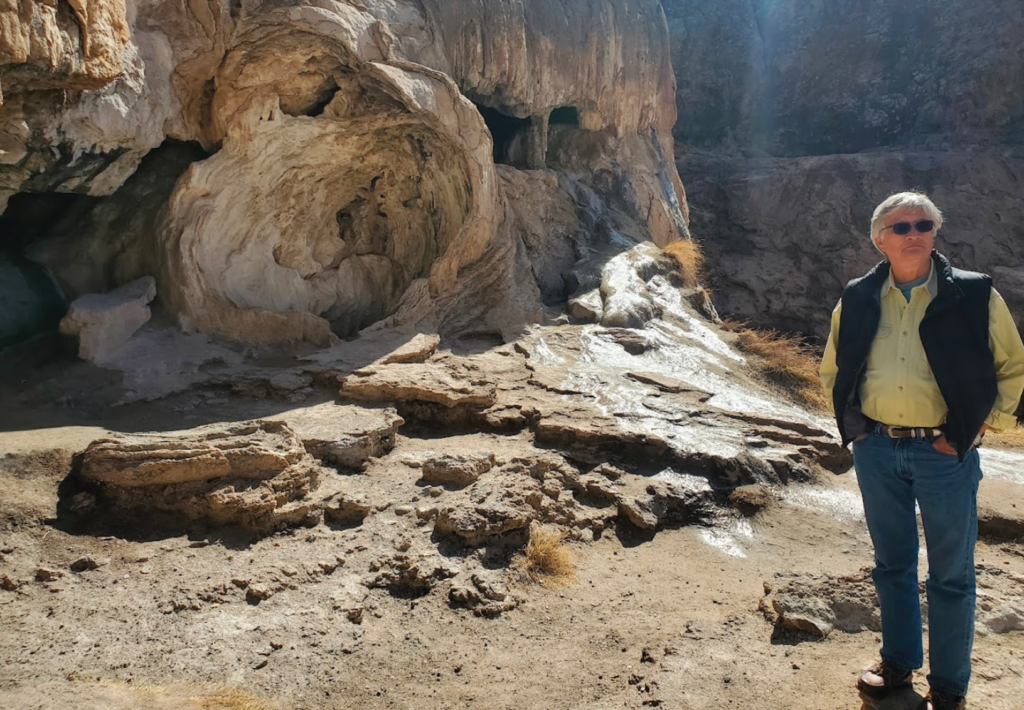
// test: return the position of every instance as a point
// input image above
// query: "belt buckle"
(905, 432)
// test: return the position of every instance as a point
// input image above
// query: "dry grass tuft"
(785, 361)
(184, 697)
(752, 499)
(689, 257)
(1009, 439)
(547, 560)
(230, 699)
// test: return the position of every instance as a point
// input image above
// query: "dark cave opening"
(32, 216)
(34, 302)
(565, 116)
(505, 129)
(56, 246)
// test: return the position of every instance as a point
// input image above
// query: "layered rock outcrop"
(350, 170)
(255, 475)
(798, 118)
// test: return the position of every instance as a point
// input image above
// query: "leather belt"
(907, 432)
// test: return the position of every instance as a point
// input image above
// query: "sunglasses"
(923, 226)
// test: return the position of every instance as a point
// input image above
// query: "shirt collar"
(932, 284)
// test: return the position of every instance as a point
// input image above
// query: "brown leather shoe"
(882, 677)
(937, 700)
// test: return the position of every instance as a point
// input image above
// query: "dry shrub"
(1012, 438)
(785, 361)
(688, 255)
(752, 499)
(547, 560)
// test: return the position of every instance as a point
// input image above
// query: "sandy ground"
(670, 621)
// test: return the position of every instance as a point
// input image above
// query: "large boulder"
(104, 322)
(255, 475)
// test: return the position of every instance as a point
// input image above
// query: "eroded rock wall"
(799, 77)
(797, 118)
(350, 176)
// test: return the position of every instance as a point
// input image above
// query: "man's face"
(909, 248)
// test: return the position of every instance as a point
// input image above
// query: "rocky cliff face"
(348, 154)
(797, 118)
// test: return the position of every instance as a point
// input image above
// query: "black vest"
(954, 333)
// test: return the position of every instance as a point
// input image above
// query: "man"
(922, 359)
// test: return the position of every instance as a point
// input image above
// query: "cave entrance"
(565, 116)
(509, 134)
(33, 301)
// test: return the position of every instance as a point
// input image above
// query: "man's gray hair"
(902, 199)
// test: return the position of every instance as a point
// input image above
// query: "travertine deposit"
(361, 163)
(255, 475)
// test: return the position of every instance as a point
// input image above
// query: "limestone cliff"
(349, 172)
(797, 118)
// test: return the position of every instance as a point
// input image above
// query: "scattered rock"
(84, 564)
(349, 599)
(417, 350)
(457, 470)
(641, 512)
(669, 498)
(634, 342)
(255, 593)
(491, 508)
(1000, 609)
(345, 435)
(588, 307)
(44, 574)
(410, 572)
(7, 584)
(105, 322)
(426, 512)
(347, 509)
(482, 592)
(814, 605)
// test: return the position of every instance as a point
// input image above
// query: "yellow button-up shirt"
(898, 386)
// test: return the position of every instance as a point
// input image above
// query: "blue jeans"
(893, 474)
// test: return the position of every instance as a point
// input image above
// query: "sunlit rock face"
(347, 173)
(797, 118)
(814, 77)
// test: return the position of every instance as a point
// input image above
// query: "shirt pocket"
(880, 359)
